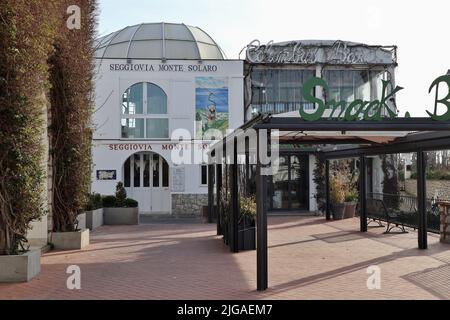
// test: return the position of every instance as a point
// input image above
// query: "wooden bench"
(378, 213)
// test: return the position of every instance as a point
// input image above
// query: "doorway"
(146, 179)
(289, 187)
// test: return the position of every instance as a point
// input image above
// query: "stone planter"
(70, 240)
(94, 219)
(20, 268)
(338, 211)
(350, 210)
(81, 218)
(121, 216)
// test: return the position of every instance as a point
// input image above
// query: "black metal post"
(261, 226)
(327, 190)
(422, 199)
(363, 193)
(210, 193)
(234, 232)
(218, 191)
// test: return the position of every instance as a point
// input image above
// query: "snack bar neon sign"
(375, 110)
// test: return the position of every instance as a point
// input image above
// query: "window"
(349, 85)
(146, 170)
(204, 177)
(144, 112)
(279, 90)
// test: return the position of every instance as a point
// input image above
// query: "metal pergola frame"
(430, 135)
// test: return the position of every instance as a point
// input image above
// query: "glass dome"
(163, 41)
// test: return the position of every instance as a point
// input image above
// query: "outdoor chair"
(377, 212)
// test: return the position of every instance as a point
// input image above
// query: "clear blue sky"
(418, 27)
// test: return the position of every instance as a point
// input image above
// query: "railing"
(281, 107)
(406, 207)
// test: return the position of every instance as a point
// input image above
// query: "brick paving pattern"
(309, 258)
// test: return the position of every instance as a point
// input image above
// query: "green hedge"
(434, 175)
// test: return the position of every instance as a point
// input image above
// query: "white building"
(152, 80)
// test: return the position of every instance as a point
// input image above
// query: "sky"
(420, 29)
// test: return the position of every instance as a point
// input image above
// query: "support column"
(327, 189)
(218, 189)
(422, 199)
(234, 230)
(363, 193)
(261, 225)
(210, 193)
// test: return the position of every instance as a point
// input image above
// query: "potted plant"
(337, 194)
(246, 226)
(94, 211)
(351, 199)
(120, 210)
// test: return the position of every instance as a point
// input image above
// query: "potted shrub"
(246, 226)
(337, 194)
(94, 211)
(120, 210)
(351, 199)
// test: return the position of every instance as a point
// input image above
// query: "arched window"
(144, 112)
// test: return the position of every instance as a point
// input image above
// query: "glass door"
(289, 187)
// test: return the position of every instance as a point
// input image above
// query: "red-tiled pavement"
(309, 258)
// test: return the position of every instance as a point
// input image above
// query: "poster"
(212, 111)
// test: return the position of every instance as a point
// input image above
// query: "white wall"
(312, 184)
(110, 150)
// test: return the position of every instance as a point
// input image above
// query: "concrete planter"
(81, 221)
(20, 268)
(338, 211)
(94, 219)
(350, 210)
(70, 240)
(121, 216)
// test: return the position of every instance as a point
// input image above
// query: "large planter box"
(94, 219)
(247, 239)
(70, 240)
(121, 216)
(20, 268)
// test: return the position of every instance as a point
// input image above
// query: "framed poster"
(106, 174)
(211, 109)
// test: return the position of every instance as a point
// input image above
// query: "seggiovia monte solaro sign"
(375, 110)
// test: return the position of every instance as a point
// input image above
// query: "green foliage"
(319, 180)
(26, 30)
(95, 202)
(131, 203)
(109, 202)
(121, 195)
(434, 175)
(247, 206)
(71, 96)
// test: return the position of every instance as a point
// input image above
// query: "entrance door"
(289, 187)
(146, 179)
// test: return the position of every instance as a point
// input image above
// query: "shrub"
(121, 195)
(95, 202)
(109, 202)
(26, 30)
(247, 206)
(131, 203)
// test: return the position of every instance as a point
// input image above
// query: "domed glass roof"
(158, 41)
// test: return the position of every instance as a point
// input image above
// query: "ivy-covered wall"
(44, 66)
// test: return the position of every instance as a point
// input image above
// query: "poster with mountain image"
(212, 110)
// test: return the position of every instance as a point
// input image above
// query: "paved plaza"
(309, 258)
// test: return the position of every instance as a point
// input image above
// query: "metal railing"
(406, 207)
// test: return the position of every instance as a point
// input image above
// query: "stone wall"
(188, 205)
(440, 188)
